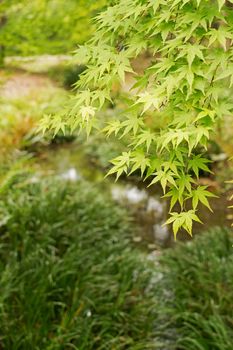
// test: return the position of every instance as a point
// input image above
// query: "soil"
(22, 84)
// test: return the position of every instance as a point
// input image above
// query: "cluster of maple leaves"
(185, 92)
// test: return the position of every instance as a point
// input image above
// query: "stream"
(149, 210)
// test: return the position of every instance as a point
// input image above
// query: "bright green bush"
(69, 276)
(46, 26)
(177, 101)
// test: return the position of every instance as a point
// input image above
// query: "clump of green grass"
(69, 277)
(200, 277)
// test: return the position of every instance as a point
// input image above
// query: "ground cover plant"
(200, 277)
(69, 276)
(186, 86)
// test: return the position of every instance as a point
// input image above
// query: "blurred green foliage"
(66, 74)
(29, 27)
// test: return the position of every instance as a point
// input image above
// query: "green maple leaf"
(205, 113)
(121, 164)
(164, 178)
(139, 162)
(220, 35)
(58, 123)
(113, 127)
(87, 112)
(149, 100)
(190, 52)
(228, 72)
(147, 137)
(175, 195)
(183, 220)
(44, 123)
(220, 4)
(198, 163)
(132, 123)
(184, 182)
(201, 195)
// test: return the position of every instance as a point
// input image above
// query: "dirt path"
(22, 84)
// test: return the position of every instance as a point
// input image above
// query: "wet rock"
(131, 194)
(71, 175)
(161, 233)
(154, 205)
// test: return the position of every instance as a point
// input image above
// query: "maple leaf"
(149, 100)
(139, 161)
(165, 178)
(183, 219)
(147, 137)
(201, 195)
(121, 164)
(87, 112)
(198, 163)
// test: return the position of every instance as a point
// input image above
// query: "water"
(149, 210)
